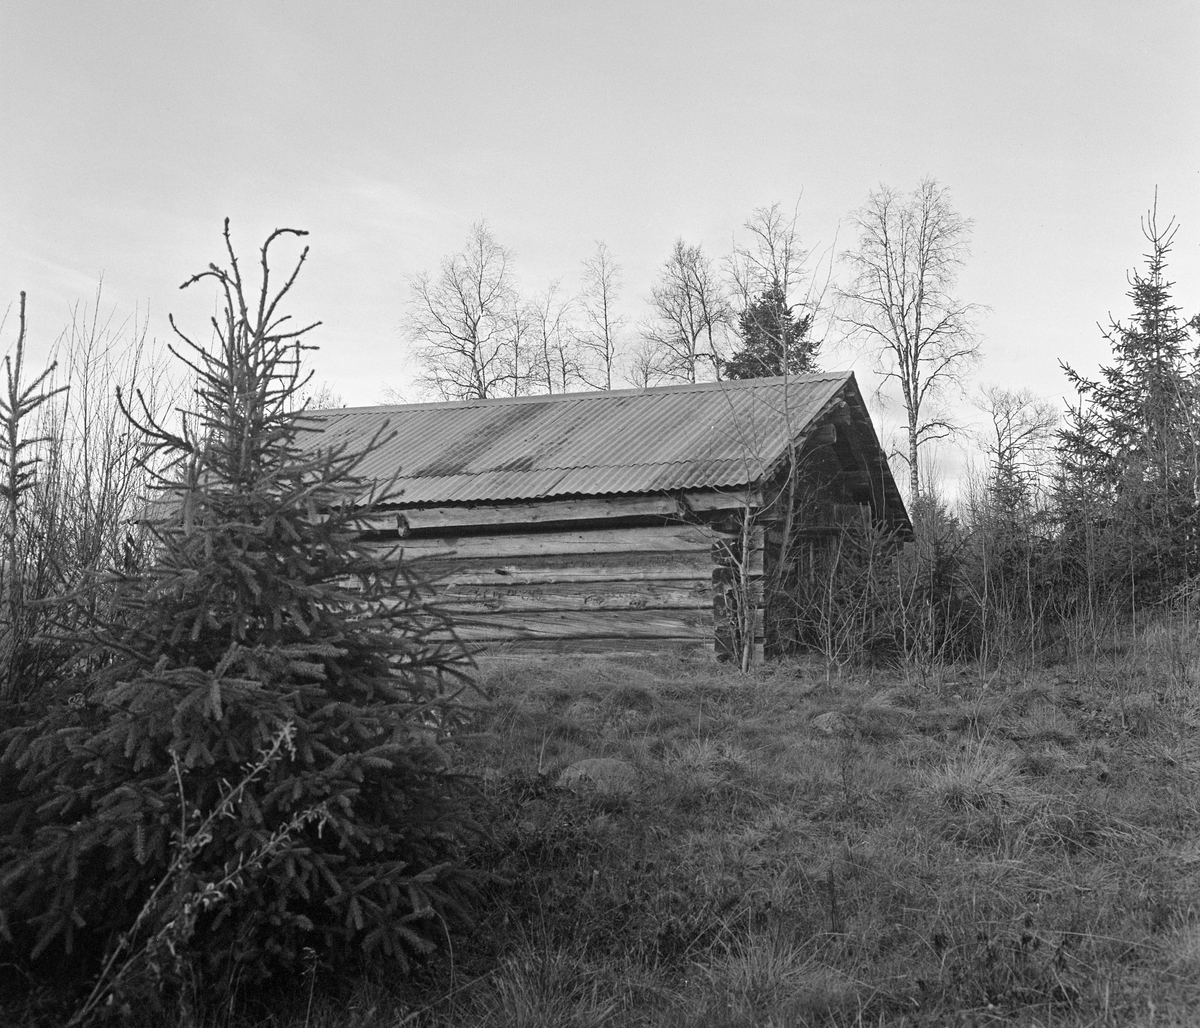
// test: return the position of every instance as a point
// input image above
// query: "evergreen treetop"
(775, 341)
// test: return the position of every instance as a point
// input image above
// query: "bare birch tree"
(690, 313)
(321, 396)
(602, 323)
(556, 364)
(901, 305)
(522, 368)
(772, 257)
(1016, 441)
(640, 367)
(465, 321)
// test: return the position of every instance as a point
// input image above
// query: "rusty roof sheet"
(713, 435)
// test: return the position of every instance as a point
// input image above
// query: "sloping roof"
(713, 435)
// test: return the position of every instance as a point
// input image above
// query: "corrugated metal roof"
(714, 435)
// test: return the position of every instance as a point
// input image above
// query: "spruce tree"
(1128, 451)
(775, 341)
(265, 625)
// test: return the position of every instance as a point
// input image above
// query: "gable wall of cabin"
(836, 498)
(646, 572)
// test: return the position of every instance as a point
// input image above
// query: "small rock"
(832, 722)
(605, 775)
(584, 710)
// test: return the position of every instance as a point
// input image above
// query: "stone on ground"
(605, 775)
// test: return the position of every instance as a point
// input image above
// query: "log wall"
(527, 576)
(626, 573)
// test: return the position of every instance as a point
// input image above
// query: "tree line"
(475, 336)
(1079, 526)
(1073, 512)
(762, 309)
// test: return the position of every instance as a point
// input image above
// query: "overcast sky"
(130, 130)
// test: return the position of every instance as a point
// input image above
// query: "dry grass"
(954, 848)
(968, 850)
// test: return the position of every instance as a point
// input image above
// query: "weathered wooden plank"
(686, 564)
(755, 568)
(757, 565)
(500, 547)
(758, 540)
(480, 599)
(672, 575)
(599, 624)
(503, 646)
(758, 652)
(726, 585)
(456, 608)
(522, 606)
(703, 501)
(546, 512)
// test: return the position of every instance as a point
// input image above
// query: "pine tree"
(775, 341)
(1129, 450)
(265, 621)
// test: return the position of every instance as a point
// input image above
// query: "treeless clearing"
(1008, 848)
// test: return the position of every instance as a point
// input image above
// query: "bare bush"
(76, 491)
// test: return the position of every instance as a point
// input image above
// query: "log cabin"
(630, 520)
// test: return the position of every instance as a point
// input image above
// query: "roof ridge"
(687, 462)
(588, 394)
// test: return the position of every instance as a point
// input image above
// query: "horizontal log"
(458, 598)
(729, 593)
(755, 567)
(548, 512)
(500, 547)
(500, 648)
(703, 501)
(600, 624)
(686, 563)
(677, 575)
(470, 610)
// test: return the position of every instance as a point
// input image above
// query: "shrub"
(20, 400)
(73, 479)
(262, 617)
(863, 596)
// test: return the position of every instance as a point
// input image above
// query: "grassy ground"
(943, 849)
